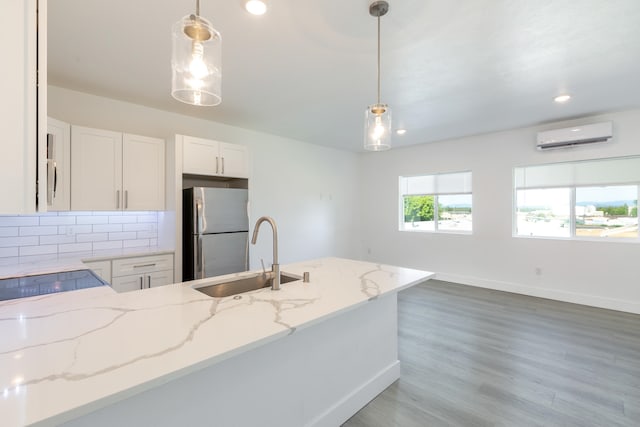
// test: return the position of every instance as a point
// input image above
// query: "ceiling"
(306, 69)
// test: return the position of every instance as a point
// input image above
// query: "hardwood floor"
(477, 357)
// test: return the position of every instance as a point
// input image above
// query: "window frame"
(572, 204)
(436, 220)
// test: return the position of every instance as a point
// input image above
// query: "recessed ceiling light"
(256, 7)
(401, 131)
(561, 99)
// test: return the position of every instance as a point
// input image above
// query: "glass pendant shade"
(377, 117)
(196, 62)
(377, 127)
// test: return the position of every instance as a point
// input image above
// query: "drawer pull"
(145, 265)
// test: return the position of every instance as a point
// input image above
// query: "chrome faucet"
(275, 267)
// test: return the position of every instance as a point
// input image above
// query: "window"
(607, 211)
(585, 200)
(544, 212)
(437, 203)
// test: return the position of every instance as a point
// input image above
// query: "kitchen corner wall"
(53, 233)
(601, 273)
(311, 191)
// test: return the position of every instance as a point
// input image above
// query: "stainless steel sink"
(243, 284)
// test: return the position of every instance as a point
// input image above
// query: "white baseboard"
(576, 298)
(343, 409)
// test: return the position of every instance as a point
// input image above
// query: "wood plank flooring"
(477, 357)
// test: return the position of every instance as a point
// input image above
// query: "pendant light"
(196, 62)
(377, 120)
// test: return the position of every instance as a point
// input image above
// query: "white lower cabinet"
(160, 278)
(130, 274)
(135, 273)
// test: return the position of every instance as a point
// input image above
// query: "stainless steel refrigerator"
(215, 232)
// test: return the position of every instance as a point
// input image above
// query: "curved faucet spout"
(275, 266)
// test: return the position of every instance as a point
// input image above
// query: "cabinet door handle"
(55, 179)
(149, 281)
(117, 199)
(223, 166)
(140, 282)
(126, 199)
(217, 164)
(145, 265)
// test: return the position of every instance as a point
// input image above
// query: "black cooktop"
(42, 284)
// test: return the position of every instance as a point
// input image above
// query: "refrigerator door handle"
(201, 222)
(200, 259)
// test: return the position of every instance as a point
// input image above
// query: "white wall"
(605, 274)
(310, 191)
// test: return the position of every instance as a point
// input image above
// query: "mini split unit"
(574, 136)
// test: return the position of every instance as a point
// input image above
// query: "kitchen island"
(310, 354)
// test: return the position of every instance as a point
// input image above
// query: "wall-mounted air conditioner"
(574, 136)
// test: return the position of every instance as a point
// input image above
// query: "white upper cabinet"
(23, 105)
(234, 161)
(96, 169)
(143, 168)
(200, 156)
(213, 158)
(115, 171)
(58, 165)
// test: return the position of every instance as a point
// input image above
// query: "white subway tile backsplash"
(147, 234)
(17, 221)
(93, 237)
(140, 226)
(148, 218)
(45, 235)
(128, 235)
(6, 242)
(93, 219)
(72, 230)
(77, 213)
(74, 247)
(8, 252)
(58, 220)
(135, 243)
(116, 244)
(8, 231)
(38, 250)
(57, 239)
(36, 258)
(38, 231)
(123, 219)
(107, 228)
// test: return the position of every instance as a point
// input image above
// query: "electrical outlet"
(70, 231)
(538, 271)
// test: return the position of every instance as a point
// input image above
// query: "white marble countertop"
(26, 266)
(64, 355)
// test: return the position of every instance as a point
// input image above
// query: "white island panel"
(70, 354)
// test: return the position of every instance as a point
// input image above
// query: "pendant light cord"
(378, 58)
(197, 7)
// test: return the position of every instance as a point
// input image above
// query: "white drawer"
(143, 264)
